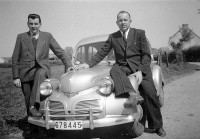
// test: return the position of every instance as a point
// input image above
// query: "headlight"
(46, 88)
(105, 86)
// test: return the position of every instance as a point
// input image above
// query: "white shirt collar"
(125, 33)
(35, 36)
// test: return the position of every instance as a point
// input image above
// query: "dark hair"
(34, 16)
(122, 12)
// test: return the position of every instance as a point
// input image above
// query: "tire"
(136, 130)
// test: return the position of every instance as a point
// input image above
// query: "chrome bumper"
(109, 120)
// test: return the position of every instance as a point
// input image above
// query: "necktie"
(34, 41)
(124, 38)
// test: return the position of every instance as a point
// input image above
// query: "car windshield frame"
(85, 52)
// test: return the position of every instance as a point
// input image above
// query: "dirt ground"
(181, 111)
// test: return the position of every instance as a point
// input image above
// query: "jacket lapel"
(40, 44)
(131, 37)
(29, 43)
(120, 40)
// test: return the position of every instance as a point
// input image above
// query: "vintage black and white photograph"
(99, 69)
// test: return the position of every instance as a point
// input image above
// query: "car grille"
(80, 111)
(56, 108)
(83, 108)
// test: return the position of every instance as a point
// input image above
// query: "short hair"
(122, 12)
(34, 16)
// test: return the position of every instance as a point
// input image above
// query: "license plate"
(69, 125)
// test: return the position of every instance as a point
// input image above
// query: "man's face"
(123, 21)
(34, 25)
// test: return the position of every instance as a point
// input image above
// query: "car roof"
(93, 39)
(98, 38)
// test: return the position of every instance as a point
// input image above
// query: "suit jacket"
(136, 53)
(25, 57)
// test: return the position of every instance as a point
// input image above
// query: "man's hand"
(17, 82)
(84, 66)
(81, 66)
(138, 76)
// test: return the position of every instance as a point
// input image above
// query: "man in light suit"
(30, 65)
(132, 55)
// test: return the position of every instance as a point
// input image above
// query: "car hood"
(75, 81)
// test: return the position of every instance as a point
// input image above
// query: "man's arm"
(60, 53)
(145, 54)
(15, 58)
(15, 62)
(101, 54)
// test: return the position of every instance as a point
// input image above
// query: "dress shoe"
(34, 112)
(161, 132)
(133, 100)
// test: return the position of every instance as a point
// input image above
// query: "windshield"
(85, 52)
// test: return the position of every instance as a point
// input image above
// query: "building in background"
(186, 44)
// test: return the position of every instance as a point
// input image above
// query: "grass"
(174, 71)
(12, 106)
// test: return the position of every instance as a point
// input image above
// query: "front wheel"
(136, 130)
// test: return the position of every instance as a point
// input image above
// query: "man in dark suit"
(30, 65)
(132, 55)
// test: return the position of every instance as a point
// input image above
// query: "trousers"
(150, 105)
(31, 90)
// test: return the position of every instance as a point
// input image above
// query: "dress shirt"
(34, 36)
(126, 33)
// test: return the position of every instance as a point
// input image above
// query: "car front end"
(83, 99)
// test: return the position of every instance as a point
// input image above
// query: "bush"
(5, 65)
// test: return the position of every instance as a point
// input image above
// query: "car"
(83, 98)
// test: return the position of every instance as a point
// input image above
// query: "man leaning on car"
(132, 57)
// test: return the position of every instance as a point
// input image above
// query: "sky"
(69, 21)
